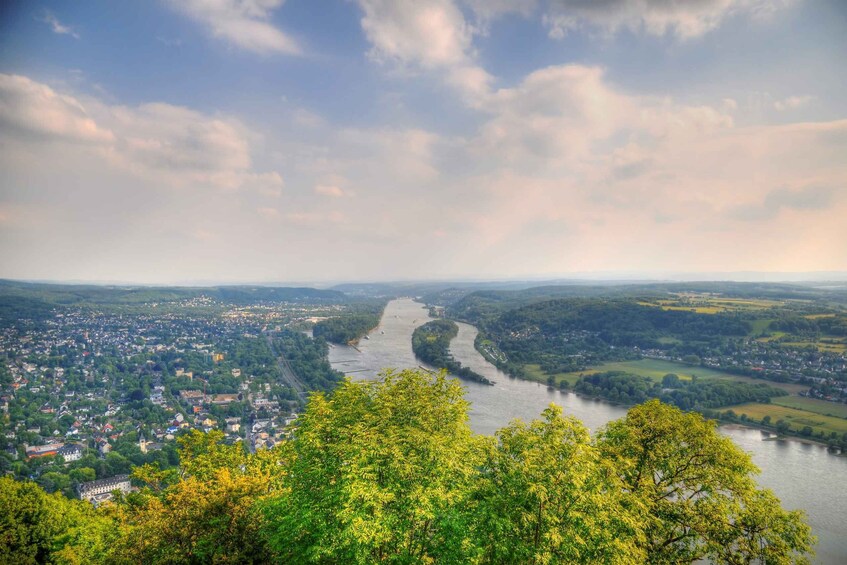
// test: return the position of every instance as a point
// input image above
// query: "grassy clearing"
(668, 340)
(534, 373)
(696, 309)
(705, 304)
(796, 418)
(658, 368)
(772, 337)
(655, 369)
(823, 407)
(760, 325)
(828, 346)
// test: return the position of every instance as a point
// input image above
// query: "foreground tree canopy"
(390, 471)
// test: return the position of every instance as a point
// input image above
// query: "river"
(803, 475)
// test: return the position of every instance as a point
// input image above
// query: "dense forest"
(35, 301)
(308, 359)
(431, 344)
(480, 305)
(695, 394)
(353, 326)
(572, 334)
(390, 471)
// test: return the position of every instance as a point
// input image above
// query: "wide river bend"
(803, 475)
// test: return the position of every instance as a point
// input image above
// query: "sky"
(170, 141)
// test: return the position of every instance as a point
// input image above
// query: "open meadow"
(654, 369)
(796, 418)
(815, 405)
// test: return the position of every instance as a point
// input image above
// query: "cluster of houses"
(60, 394)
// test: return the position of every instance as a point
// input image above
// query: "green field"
(796, 418)
(654, 369)
(830, 346)
(534, 373)
(658, 368)
(705, 304)
(823, 407)
(760, 325)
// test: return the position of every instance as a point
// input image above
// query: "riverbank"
(805, 476)
(817, 426)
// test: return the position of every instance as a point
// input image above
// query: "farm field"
(534, 373)
(760, 326)
(703, 304)
(831, 345)
(654, 369)
(796, 418)
(658, 368)
(824, 407)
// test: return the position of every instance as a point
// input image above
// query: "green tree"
(36, 527)
(545, 496)
(697, 490)
(379, 471)
(670, 380)
(206, 513)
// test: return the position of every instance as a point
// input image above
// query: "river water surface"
(803, 475)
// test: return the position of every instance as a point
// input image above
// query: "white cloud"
(244, 23)
(490, 9)
(563, 171)
(655, 17)
(58, 27)
(167, 143)
(430, 34)
(268, 213)
(32, 109)
(314, 219)
(792, 103)
(329, 190)
(807, 198)
(553, 114)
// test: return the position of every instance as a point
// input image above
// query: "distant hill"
(34, 301)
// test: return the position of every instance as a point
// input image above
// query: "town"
(87, 395)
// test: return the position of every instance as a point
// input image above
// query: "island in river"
(431, 344)
(804, 476)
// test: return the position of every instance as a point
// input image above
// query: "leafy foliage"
(389, 471)
(36, 527)
(545, 495)
(208, 516)
(688, 395)
(379, 471)
(697, 490)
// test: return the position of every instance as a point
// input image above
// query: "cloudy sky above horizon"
(269, 140)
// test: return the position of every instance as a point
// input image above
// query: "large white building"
(101, 490)
(71, 452)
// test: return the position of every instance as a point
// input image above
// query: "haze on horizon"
(263, 140)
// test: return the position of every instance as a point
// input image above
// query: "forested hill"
(352, 326)
(572, 334)
(619, 322)
(482, 305)
(21, 300)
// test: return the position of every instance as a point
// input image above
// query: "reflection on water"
(804, 476)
